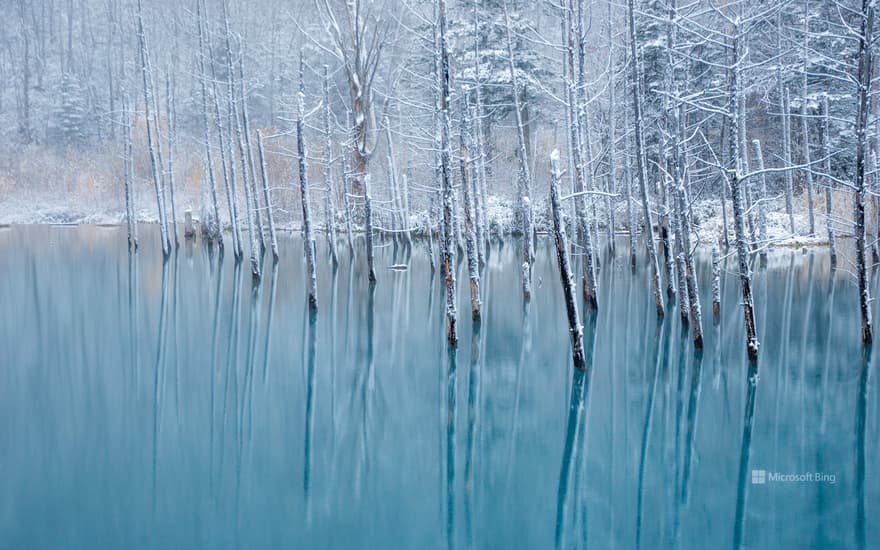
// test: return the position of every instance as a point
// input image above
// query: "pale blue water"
(145, 405)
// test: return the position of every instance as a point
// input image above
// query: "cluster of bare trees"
(429, 117)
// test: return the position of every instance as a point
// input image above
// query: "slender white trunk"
(446, 182)
(524, 171)
(470, 232)
(640, 163)
(264, 176)
(213, 226)
(329, 206)
(160, 195)
(309, 239)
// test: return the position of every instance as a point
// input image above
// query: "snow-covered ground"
(25, 208)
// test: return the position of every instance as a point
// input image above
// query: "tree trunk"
(309, 240)
(640, 163)
(446, 182)
(470, 232)
(565, 275)
(864, 84)
(329, 206)
(264, 176)
(525, 173)
(739, 229)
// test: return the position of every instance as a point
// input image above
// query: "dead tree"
(157, 183)
(329, 208)
(172, 123)
(227, 165)
(865, 72)
(446, 182)
(246, 126)
(470, 232)
(235, 123)
(716, 283)
(214, 228)
(829, 183)
(368, 226)
(128, 178)
(525, 176)
(635, 86)
(267, 197)
(808, 171)
(565, 275)
(309, 239)
(734, 177)
(359, 35)
(762, 204)
(584, 230)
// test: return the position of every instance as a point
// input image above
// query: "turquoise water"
(151, 405)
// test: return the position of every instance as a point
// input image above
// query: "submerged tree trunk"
(640, 163)
(128, 167)
(309, 240)
(329, 207)
(264, 177)
(160, 194)
(172, 123)
(829, 183)
(565, 275)
(524, 171)
(716, 283)
(470, 232)
(446, 182)
(584, 231)
(736, 193)
(864, 84)
(214, 229)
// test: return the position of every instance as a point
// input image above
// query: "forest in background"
(69, 69)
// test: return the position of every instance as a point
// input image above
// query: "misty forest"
(439, 273)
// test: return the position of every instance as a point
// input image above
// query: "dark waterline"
(149, 405)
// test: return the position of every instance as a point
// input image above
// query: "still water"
(174, 405)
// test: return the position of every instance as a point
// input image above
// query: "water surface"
(151, 404)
